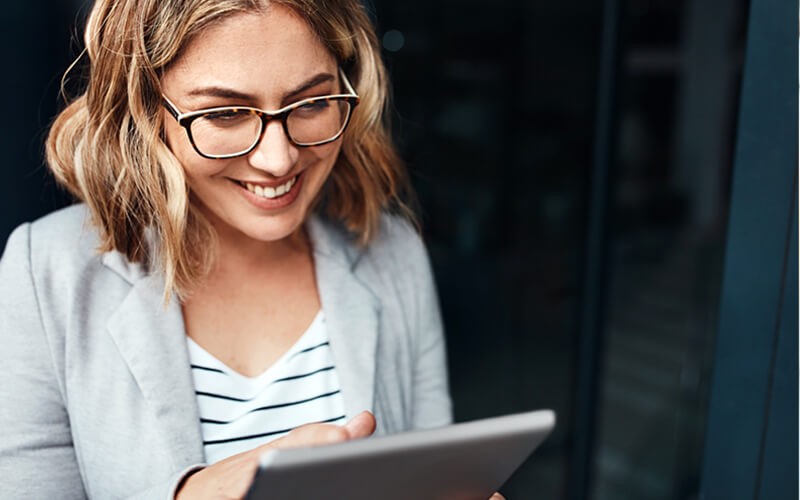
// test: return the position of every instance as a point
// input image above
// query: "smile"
(270, 192)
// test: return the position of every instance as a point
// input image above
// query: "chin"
(276, 229)
(238, 221)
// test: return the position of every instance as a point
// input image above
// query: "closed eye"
(227, 119)
(225, 115)
(312, 107)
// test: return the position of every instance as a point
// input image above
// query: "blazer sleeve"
(37, 458)
(432, 405)
(37, 454)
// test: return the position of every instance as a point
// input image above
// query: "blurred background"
(575, 168)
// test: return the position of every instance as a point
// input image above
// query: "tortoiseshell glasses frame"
(186, 120)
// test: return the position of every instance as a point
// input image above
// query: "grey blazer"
(97, 397)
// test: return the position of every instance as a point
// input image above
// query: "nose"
(274, 154)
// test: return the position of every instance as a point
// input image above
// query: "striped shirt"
(238, 413)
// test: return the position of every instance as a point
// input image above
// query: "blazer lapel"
(352, 314)
(151, 339)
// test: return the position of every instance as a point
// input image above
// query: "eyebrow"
(229, 93)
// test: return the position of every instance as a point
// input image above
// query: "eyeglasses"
(231, 131)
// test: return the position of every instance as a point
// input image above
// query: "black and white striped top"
(238, 413)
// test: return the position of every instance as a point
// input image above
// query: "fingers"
(229, 478)
(362, 425)
(313, 435)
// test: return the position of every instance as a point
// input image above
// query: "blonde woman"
(240, 272)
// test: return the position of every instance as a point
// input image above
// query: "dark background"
(500, 111)
(574, 163)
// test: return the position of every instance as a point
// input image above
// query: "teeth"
(268, 192)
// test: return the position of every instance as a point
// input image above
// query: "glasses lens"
(227, 132)
(318, 121)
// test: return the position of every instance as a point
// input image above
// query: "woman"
(215, 239)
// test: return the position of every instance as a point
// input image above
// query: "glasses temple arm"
(173, 110)
(347, 83)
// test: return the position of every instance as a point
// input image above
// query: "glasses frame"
(185, 119)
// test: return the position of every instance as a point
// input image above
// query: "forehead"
(256, 52)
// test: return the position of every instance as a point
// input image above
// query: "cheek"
(194, 165)
(324, 157)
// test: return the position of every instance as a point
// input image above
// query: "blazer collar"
(151, 337)
(352, 313)
(129, 271)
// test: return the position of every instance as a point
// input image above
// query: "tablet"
(460, 462)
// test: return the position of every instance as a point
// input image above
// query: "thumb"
(362, 425)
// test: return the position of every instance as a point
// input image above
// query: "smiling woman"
(241, 271)
(165, 54)
(228, 151)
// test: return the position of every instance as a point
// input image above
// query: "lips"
(271, 195)
(270, 192)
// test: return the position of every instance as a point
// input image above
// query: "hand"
(230, 479)
(497, 496)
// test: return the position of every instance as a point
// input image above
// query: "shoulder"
(43, 265)
(63, 240)
(396, 245)
(61, 234)
(64, 222)
(53, 279)
(395, 264)
(69, 230)
(57, 257)
(68, 225)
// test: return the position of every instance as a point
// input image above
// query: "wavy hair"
(106, 147)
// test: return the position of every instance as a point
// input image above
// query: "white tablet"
(460, 462)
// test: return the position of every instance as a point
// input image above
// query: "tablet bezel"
(493, 447)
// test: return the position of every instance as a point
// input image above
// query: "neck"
(240, 251)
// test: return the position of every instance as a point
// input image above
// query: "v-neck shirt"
(238, 413)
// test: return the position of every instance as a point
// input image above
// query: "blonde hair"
(107, 148)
